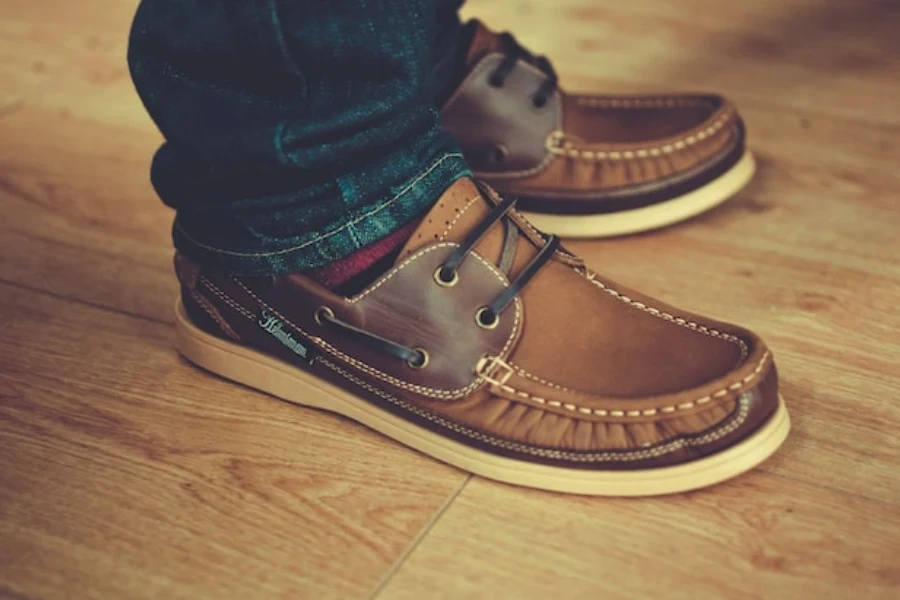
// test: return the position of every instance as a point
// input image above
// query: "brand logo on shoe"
(273, 325)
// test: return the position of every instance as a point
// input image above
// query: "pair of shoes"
(491, 347)
(488, 345)
(592, 166)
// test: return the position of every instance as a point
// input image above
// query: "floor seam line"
(103, 307)
(416, 542)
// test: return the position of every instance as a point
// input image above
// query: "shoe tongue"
(456, 212)
(484, 41)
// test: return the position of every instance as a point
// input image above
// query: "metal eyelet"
(539, 106)
(439, 278)
(424, 360)
(321, 313)
(486, 318)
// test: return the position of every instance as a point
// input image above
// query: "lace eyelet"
(439, 278)
(539, 102)
(495, 81)
(486, 318)
(322, 313)
(498, 153)
(423, 362)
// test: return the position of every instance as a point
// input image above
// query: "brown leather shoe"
(591, 166)
(491, 348)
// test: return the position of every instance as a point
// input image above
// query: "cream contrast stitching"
(458, 217)
(558, 145)
(649, 412)
(214, 315)
(366, 368)
(528, 375)
(226, 299)
(346, 225)
(387, 277)
(590, 276)
(712, 436)
(622, 456)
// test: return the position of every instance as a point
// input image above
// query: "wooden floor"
(125, 473)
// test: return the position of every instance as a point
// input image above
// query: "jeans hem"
(335, 241)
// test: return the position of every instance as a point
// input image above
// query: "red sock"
(357, 270)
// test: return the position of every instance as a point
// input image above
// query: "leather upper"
(578, 371)
(585, 154)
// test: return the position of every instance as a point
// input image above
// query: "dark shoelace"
(514, 51)
(447, 275)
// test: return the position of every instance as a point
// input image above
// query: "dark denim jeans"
(296, 131)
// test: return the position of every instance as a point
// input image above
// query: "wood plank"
(761, 536)
(87, 223)
(127, 473)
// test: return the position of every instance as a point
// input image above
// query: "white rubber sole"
(654, 216)
(280, 379)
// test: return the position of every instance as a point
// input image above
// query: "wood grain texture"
(126, 473)
(75, 170)
(832, 57)
(86, 223)
(760, 536)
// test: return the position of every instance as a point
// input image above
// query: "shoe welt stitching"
(557, 145)
(425, 391)
(459, 393)
(635, 455)
(226, 299)
(463, 391)
(590, 276)
(214, 315)
(623, 456)
(638, 413)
